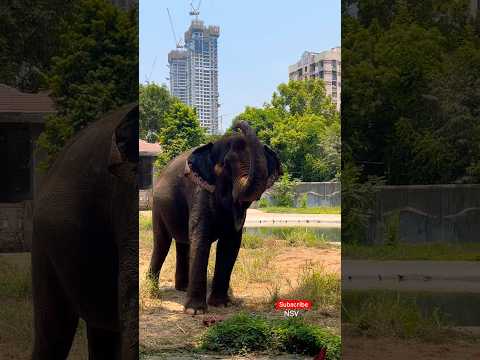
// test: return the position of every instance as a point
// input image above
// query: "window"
(16, 181)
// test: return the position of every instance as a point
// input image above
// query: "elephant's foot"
(194, 307)
(219, 300)
(182, 287)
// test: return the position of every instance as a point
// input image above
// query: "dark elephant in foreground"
(85, 244)
(202, 196)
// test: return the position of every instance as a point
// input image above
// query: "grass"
(433, 251)
(16, 311)
(243, 333)
(287, 237)
(383, 313)
(307, 210)
(319, 286)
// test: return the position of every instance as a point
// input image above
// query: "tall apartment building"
(326, 65)
(194, 73)
(177, 60)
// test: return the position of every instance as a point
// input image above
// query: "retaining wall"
(427, 213)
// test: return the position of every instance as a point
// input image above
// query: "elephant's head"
(237, 168)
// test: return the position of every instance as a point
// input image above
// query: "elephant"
(85, 243)
(202, 196)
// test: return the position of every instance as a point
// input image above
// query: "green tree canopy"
(410, 90)
(155, 101)
(181, 131)
(302, 125)
(95, 69)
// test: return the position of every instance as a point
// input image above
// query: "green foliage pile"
(411, 91)
(94, 69)
(302, 125)
(245, 333)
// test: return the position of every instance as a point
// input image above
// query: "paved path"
(446, 276)
(257, 218)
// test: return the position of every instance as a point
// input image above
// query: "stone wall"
(427, 213)
(15, 227)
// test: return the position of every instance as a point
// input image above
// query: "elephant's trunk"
(249, 185)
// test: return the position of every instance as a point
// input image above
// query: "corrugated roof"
(14, 101)
(148, 149)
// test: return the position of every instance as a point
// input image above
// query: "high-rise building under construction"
(194, 73)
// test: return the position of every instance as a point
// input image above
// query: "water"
(328, 234)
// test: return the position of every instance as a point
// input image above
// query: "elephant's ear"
(123, 159)
(199, 167)
(274, 166)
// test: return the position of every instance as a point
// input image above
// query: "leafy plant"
(283, 191)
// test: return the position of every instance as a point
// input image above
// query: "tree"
(181, 132)
(29, 38)
(410, 90)
(155, 100)
(95, 70)
(303, 126)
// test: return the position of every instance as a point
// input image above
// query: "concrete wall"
(427, 213)
(317, 194)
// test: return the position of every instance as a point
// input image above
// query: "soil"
(359, 348)
(164, 327)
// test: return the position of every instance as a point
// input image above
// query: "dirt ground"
(259, 274)
(359, 348)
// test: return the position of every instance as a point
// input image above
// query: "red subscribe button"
(293, 304)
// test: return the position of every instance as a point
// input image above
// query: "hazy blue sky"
(258, 40)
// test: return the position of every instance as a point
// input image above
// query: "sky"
(258, 40)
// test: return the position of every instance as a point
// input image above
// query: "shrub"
(282, 191)
(263, 203)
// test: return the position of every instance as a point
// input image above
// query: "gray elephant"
(85, 244)
(202, 196)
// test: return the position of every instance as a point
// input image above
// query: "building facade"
(177, 60)
(326, 65)
(22, 119)
(194, 73)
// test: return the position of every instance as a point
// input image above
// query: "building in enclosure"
(326, 65)
(147, 155)
(22, 119)
(194, 73)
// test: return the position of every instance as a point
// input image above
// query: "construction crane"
(195, 10)
(178, 43)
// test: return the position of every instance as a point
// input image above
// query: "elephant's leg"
(227, 252)
(200, 243)
(103, 344)
(55, 320)
(182, 267)
(161, 245)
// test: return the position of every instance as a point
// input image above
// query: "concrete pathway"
(442, 276)
(257, 218)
